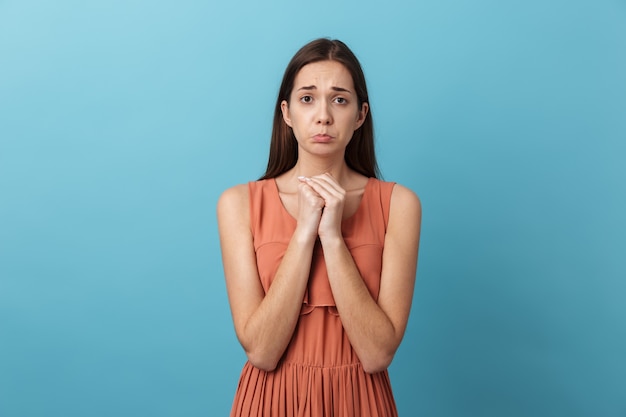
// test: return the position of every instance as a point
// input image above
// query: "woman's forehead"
(324, 74)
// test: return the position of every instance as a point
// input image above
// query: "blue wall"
(122, 121)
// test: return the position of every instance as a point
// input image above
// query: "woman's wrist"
(332, 241)
(304, 236)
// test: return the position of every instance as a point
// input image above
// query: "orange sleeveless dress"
(319, 374)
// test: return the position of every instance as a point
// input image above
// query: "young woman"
(319, 255)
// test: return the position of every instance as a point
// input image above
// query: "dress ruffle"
(301, 390)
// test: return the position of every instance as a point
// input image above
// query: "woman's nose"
(324, 117)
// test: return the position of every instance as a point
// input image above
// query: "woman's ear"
(362, 115)
(284, 107)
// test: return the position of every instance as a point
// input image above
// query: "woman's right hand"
(310, 207)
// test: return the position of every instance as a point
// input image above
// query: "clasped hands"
(320, 205)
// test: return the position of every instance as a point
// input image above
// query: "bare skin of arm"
(374, 328)
(264, 323)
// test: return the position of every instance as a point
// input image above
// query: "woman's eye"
(340, 100)
(306, 99)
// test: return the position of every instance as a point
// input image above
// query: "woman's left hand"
(334, 198)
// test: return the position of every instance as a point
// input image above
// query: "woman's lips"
(322, 138)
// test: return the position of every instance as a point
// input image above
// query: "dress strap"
(386, 188)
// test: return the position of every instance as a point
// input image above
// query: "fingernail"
(303, 178)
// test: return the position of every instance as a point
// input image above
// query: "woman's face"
(323, 108)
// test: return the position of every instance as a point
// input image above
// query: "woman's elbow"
(259, 356)
(261, 361)
(377, 364)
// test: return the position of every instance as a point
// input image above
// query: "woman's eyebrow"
(312, 87)
(341, 89)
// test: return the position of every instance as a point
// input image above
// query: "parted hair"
(360, 155)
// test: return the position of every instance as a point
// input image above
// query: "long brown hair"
(360, 155)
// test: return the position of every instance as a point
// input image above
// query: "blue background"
(122, 121)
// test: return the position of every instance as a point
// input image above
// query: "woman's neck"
(312, 168)
(308, 167)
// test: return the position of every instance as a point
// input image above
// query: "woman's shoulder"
(233, 200)
(404, 198)
(237, 198)
(405, 214)
(234, 193)
(398, 191)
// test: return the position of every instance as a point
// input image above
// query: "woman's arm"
(375, 329)
(264, 323)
